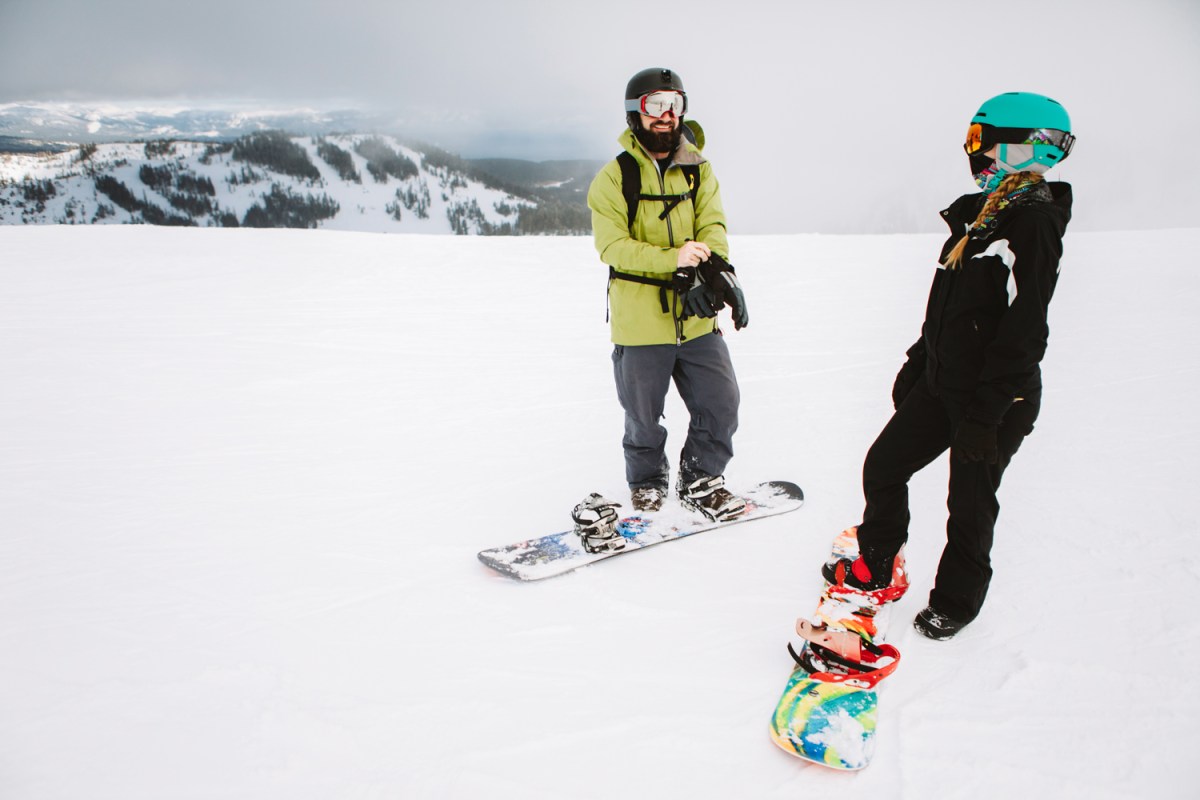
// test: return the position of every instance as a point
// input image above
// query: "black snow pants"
(920, 431)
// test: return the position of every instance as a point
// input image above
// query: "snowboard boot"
(932, 624)
(854, 575)
(596, 524)
(709, 496)
(853, 580)
(647, 498)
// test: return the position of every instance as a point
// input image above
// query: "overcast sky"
(832, 117)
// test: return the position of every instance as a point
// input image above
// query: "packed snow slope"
(245, 473)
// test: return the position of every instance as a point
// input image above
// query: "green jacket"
(636, 311)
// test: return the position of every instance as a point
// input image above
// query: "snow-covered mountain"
(355, 182)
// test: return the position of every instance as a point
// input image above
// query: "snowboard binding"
(596, 524)
(837, 571)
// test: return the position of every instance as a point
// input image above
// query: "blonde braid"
(1010, 183)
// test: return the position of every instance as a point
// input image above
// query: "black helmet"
(653, 80)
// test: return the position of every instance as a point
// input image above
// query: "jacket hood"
(1060, 207)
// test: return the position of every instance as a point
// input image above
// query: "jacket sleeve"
(914, 364)
(1032, 252)
(710, 213)
(915, 356)
(610, 228)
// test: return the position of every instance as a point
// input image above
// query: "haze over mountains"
(81, 123)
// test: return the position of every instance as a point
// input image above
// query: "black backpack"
(631, 188)
(631, 180)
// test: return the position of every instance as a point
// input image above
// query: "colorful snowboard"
(829, 708)
(559, 553)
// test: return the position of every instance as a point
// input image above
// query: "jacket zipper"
(944, 296)
(662, 189)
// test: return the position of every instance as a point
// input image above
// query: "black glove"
(975, 441)
(697, 299)
(906, 379)
(718, 274)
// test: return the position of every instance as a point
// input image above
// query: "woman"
(972, 382)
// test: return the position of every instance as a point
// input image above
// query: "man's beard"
(665, 142)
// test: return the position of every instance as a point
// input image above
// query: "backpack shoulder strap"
(631, 187)
(631, 184)
(692, 172)
(694, 134)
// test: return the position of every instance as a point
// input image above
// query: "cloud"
(833, 117)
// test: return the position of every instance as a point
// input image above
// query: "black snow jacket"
(985, 327)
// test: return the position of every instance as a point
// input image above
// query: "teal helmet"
(1031, 133)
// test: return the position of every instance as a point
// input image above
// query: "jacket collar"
(963, 211)
(686, 153)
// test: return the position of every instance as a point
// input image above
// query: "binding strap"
(863, 676)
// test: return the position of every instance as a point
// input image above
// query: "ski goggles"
(657, 104)
(981, 137)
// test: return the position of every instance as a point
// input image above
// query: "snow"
(245, 474)
(366, 205)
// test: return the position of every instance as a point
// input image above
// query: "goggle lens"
(982, 137)
(974, 141)
(656, 104)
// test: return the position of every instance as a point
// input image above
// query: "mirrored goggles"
(981, 137)
(656, 104)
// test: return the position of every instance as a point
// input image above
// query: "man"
(668, 275)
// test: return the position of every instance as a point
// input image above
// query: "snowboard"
(829, 708)
(560, 553)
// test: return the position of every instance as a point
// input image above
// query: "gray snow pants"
(703, 375)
